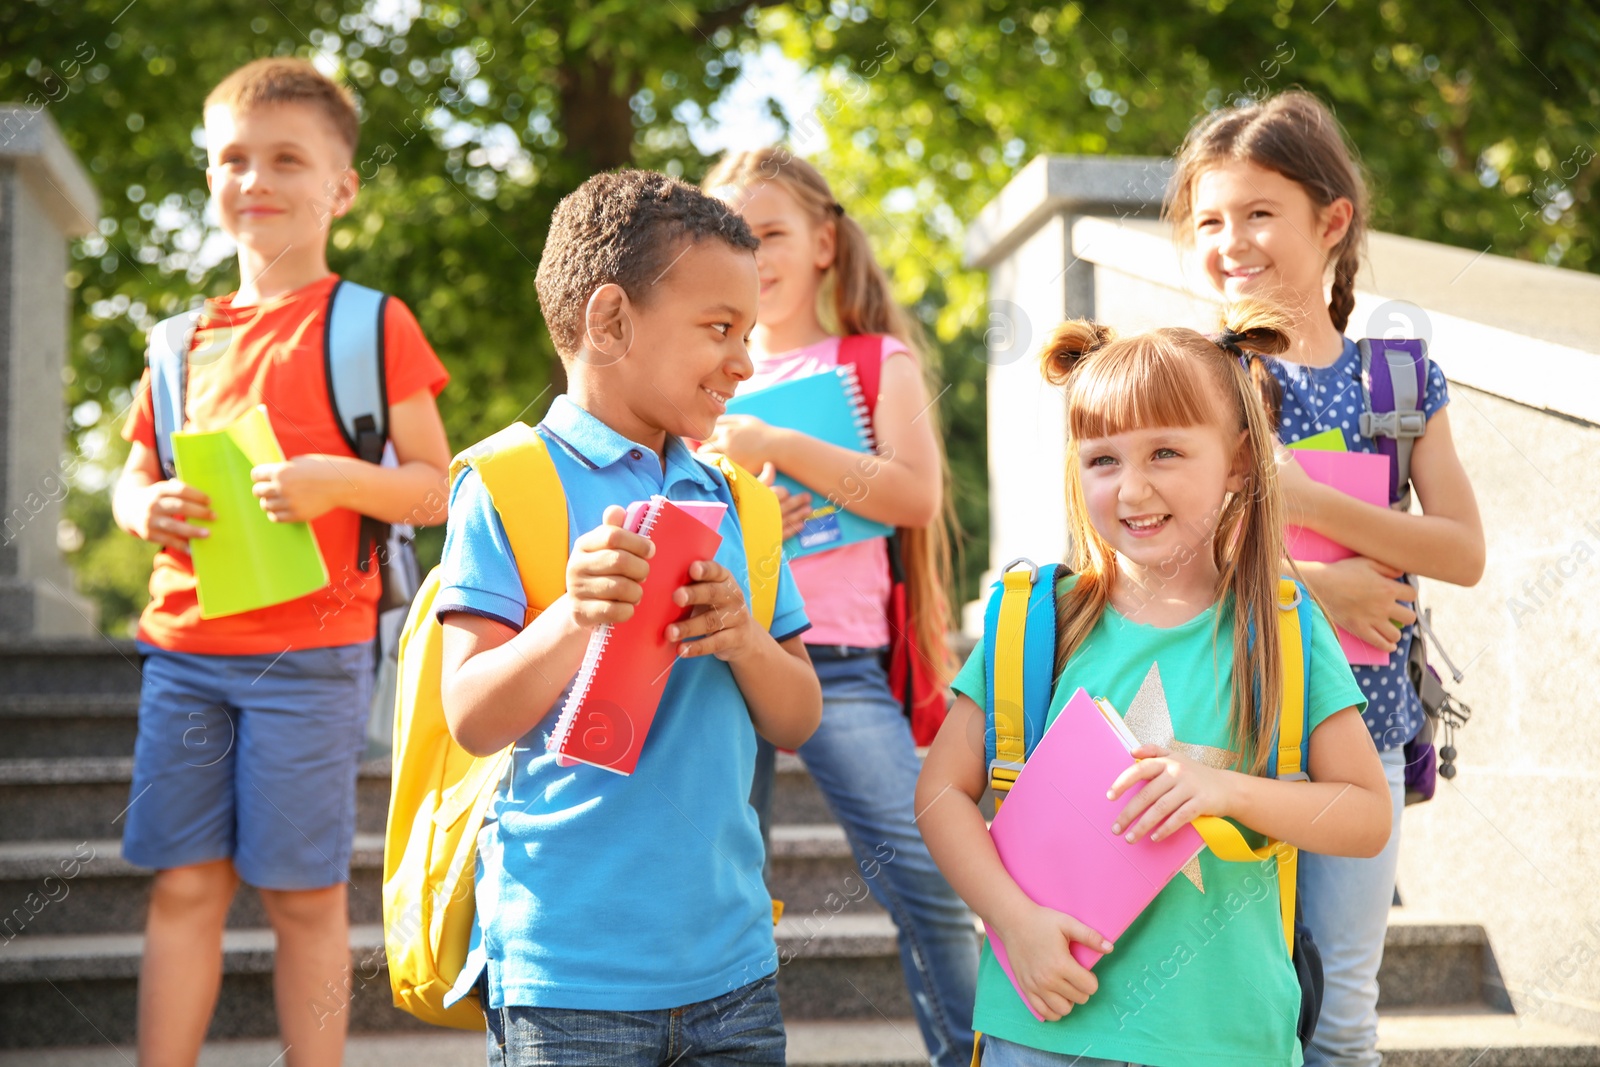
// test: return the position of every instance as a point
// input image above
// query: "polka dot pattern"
(1325, 398)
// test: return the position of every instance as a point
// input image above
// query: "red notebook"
(1053, 832)
(614, 696)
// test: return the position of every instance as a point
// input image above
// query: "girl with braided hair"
(1272, 199)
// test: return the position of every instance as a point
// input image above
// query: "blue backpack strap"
(167, 356)
(353, 349)
(1394, 378)
(358, 391)
(1019, 667)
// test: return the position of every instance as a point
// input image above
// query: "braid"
(1343, 298)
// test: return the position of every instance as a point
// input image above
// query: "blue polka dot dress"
(1326, 398)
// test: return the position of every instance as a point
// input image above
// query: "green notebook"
(1326, 441)
(249, 561)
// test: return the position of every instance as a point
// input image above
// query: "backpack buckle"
(1007, 773)
(1395, 424)
(1033, 568)
(1297, 776)
(1295, 603)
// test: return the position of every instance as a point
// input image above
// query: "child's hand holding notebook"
(624, 672)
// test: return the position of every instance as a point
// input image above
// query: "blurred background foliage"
(1477, 125)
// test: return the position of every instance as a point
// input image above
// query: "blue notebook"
(829, 407)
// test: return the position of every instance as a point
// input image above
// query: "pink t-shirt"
(846, 589)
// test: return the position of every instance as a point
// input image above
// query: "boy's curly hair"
(283, 80)
(623, 227)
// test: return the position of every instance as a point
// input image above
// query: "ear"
(607, 326)
(827, 245)
(211, 180)
(343, 193)
(1239, 471)
(1335, 222)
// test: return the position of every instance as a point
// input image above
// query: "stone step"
(813, 868)
(97, 665)
(69, 725)
(86, 887)
(85, 799)
(1406, 1038)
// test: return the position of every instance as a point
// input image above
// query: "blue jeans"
(741, 1027)
(863, 759)
(1346, 903)
(1001, 1053)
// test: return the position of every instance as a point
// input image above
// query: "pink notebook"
(624, 671)
(1054, 835)
(1365, 476)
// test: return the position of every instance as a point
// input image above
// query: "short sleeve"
(409, 362)
(140, 425)
(970, 681)
(1438, 391)
(1333, 686)
(789, 617)
(478, 572)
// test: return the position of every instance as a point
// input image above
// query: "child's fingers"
(184, 491)
(1155, 815)
(614, 515)
(1187, 813)
(1142, 771)
(1140, 803)
(613, 537)
(1083, 934)
(615, 588)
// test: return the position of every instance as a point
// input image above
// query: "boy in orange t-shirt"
(251, 726)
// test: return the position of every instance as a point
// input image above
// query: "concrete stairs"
(71, 912)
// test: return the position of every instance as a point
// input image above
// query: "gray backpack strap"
(167, 357)
(357, 389)
(1394, 378)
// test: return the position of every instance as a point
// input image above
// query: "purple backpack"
(1394, 380)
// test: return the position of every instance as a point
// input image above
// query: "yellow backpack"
(440, 792)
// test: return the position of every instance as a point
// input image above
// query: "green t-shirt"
(1197, 978)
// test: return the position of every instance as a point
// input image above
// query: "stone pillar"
(1023, 238)
(45, 199)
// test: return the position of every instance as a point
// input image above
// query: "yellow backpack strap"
(1220, 835)
(761, 520)
(1010, 730)
(522, 484)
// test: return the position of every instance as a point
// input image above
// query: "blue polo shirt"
(597, 890)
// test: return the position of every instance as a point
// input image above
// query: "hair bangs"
(1142, 382)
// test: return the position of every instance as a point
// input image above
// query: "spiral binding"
(858, 405)
(593, 654)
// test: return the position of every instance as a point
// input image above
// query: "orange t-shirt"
(273, 354)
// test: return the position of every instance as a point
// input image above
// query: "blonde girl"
(819, 285)
(1176, 526)
(1272, 200)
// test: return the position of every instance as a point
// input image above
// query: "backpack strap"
(761, 522)
(167, 357)
(526, 492)
(358, 391)
(864, 352)
(1285, 762)
(1019, 669)
(1394, 378)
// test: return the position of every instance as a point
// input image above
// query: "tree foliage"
(1477, 126)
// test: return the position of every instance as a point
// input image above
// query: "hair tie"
(1228, 341)
(838, 209)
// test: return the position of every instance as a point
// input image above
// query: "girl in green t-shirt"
(1177, 536)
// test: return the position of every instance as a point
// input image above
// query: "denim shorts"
(741, 1027)
(251, 759)
(1001, 1053)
